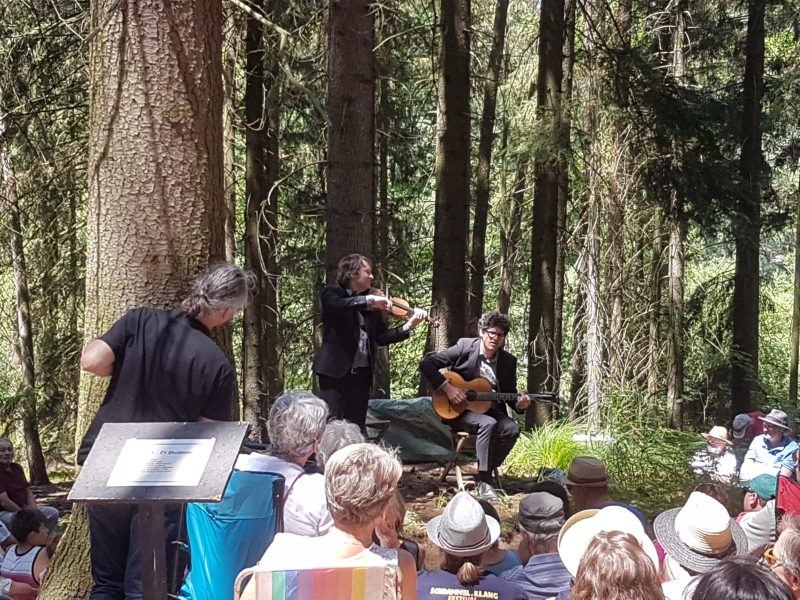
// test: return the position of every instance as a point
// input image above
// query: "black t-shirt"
(166, 368)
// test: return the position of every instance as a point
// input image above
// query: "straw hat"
(580, 529)
(463, 529)
(587, 471)
(718, 433)
(777, 417)
(699, 534)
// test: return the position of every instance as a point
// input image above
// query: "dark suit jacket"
(464, 359)
(341, 331)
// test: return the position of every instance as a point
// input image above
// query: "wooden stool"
(459, 438)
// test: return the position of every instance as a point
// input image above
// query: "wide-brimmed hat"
(699, 534)
(740, 424)
(580, 529)
(541, 512)
(764, 486)
(587, 471)
(777, 417)
(463, 529)
(718, 433)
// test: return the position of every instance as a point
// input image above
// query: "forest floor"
(421, 487)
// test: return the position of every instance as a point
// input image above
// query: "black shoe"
(486, 492)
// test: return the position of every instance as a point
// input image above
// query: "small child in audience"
(389, 531)
(496, 560)
(27, 560)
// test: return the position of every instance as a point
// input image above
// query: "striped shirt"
(543, 577)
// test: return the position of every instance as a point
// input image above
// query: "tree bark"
(564, 192)
(483, 171)
(654, 313)
(510, 233)
(543, 365)
(381, 377)
(795, 340)
(677, 229)
(156, 203)
(28, 392)
(452, 176)
(351, 134)
(231, 36)
(592, 166)
(260, 350)
(744, 355)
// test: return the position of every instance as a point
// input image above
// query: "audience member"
(580, 529)
(295, 426)
(540, 518)
(389, 529)
(556, 489)
(9, 588)
(740, 578)
(758, 519)
(587, 481)
(784, 558)
(616, 567)
(497, 559)
(15, 492)
(717, 491)
(696, 537)
(360, 481)
(26, 561)
(464, 533)
(772, 452)
(338, 434)
(744, 429)
(717, 459)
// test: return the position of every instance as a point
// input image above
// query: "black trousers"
(348, 396)
(497, 434)
(116, 560)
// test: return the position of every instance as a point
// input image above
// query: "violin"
(401, 309)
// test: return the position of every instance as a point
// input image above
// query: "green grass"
(649, 466)
(550, 445)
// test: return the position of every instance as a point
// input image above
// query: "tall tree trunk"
(564, 193)
(261, 334)
(654, 382)
(30, 427)
(351, 134)
(510, 234)
(156, 204)
(617, 201)
(677, 228)
(381, 377)
(579, 322)
(592, 166)
(231, 35)
(795, 341)
(451, 226)
(543, 365)
(744, 355)
(483, 171)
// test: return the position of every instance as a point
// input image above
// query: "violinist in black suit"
(354, 324)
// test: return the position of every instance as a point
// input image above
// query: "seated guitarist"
(482, 357)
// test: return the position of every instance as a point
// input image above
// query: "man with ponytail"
(464, 533)
(164, 367)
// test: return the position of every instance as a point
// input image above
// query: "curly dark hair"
(495, 318)
(740, 578)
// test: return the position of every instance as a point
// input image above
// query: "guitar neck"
(494, 396)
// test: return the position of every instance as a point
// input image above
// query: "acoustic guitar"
(480, 396)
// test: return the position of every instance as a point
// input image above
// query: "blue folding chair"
(226, 537)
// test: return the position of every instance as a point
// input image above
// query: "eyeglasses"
(494, 334)
(769, 559)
